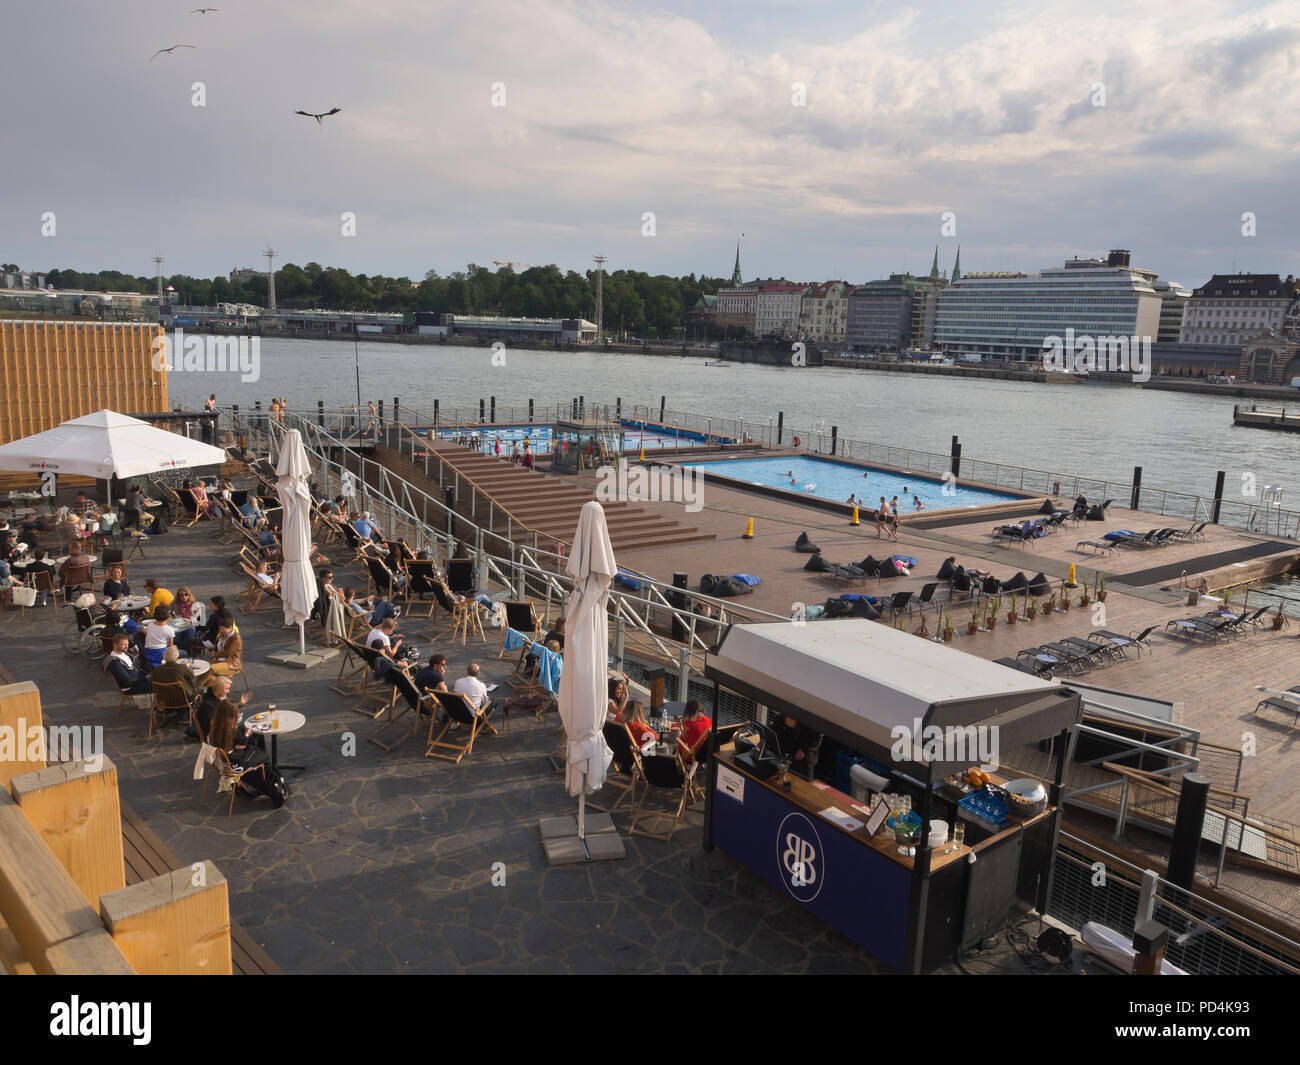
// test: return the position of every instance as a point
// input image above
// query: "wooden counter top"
(812, 800)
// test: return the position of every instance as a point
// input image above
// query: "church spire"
(934, 270)
(956, 266)
(735, 274)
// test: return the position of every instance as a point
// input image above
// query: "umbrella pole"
(302, 640)
(582, 809)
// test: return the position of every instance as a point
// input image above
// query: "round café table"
(285, 721)
(131, 604)
(197, 666)
(88, 560)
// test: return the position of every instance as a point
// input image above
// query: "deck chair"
(352, 669)
(404, 699)
(167, 699)
(1138, 641)
(624, 771)
(1025, 667)
(459, 711)
(188, 513)
(522, 617)
(664, 775)
(1279, 702)
(227, 770)
(899, 601)
(421, 580)
(383, 580)
(369, 692)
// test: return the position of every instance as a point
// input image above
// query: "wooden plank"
(41, 903)
(20, 714)
(12, 959)
(76, 812)
(90, 954)
(177, 924)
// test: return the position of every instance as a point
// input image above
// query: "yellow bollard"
(749, 530)
(855, 517)
(641, 457)
(1070, 582)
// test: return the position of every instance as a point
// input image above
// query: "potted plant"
(1084, 598)
(1065, 600)
(1100, 586)
(1015, 608)
(948, 633)
(1032, 612)
(991, 619)
(974, 625)
(922, 630)
(1227, 598)
(1051, 604)
(1279, 620)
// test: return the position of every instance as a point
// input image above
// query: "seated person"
(115, 623)
(129, 677)
(218, 688)
(173, 671)
(634, 718)
(357, 607)
(40, 564)
(433, 677)
(617, 691)
(797, 743)
(384, 638)
(228, 654)
(266, 578)
(365, 528)
(252, 512)
(229, 734)
(1080, 505)
(158, 636)
(157, 596)
(84, 508)
(116, 586)
(208, 634)
(696, 724)
(556, 637)
(473, 688)
(76, 559)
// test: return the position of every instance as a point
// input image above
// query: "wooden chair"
(75, 577)
(226, 770)
(625, 771)
(366, 696)
(168, 698)
(187, 507)
(404, 699)
(44, 582)
(521, 617)
(665, 774)
(421, 579)
(459, 711)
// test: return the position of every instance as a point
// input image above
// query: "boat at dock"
(719, 362)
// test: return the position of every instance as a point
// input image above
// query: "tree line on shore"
(635, 303)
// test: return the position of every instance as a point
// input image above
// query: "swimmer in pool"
(916, 502)
(792, 481)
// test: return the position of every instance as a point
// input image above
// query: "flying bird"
(204, 10)
(169, 51)
(319, 118)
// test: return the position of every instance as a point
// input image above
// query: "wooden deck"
(147, 856)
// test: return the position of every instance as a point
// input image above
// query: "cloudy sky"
(833, 135)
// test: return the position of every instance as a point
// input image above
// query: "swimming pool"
(828, 479)
(541, 437)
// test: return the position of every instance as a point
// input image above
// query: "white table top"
(288, 721)
(88, 560)
(198, 666)
(131, 602)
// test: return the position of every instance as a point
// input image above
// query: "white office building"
(1229, 308)
(1007, 317)
(777, 308)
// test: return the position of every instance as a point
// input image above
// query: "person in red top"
(696, 725)
(634, 717)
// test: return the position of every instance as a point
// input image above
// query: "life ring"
(796, 441)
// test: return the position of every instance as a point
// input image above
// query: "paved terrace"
(381, 863)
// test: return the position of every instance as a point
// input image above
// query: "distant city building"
(824, 312)
(551, 330)
(22, 279)
(777, 307)
(896, 314)
(1229, 308)
(1006, 317)
(1173, 307)
(70, 303)
(243, 274)
(1269, 359)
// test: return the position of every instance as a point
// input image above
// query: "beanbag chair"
(837, 608)
(852, 597)
(627, 580)
(1040, 585)
(869, 565)
(1048, 507)
(817, 564)
(1096, 513)
(805, 546)
(948, 568)
(1018, 583)
(747, 578)
(723, 587)
(890, 568)
(864, 609)
(906, 560)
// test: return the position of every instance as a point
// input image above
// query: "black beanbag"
(1040, 585)
(1096, 513)
(723, 587)
(863, 609)
(817, 564)
(838, 608)
(1018, 583)
(805, 546)
(1048, 507)
(890, 568)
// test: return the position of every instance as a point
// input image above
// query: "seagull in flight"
(321, 117)
(204, 10)
(169, 51)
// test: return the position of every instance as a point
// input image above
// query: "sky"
(836, 137)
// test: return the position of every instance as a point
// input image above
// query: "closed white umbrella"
(583, 692)
(104, 445)
(297, 581)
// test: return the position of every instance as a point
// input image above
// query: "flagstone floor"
(383, 863)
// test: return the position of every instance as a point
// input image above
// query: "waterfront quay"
(1279, 420)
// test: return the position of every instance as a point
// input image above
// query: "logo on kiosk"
(799, 857)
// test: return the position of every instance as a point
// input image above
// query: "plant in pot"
(1279, 620)
(1100, 587)
(922, 630)
(1014, 609)
(991, 619)
(1084, 598)
(1227, 598)
(1032, 612)
(948, 633)
(973, 626)
(1065, 599)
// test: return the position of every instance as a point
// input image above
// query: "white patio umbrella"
(104, 445)
(297, 581)
(584, 692)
